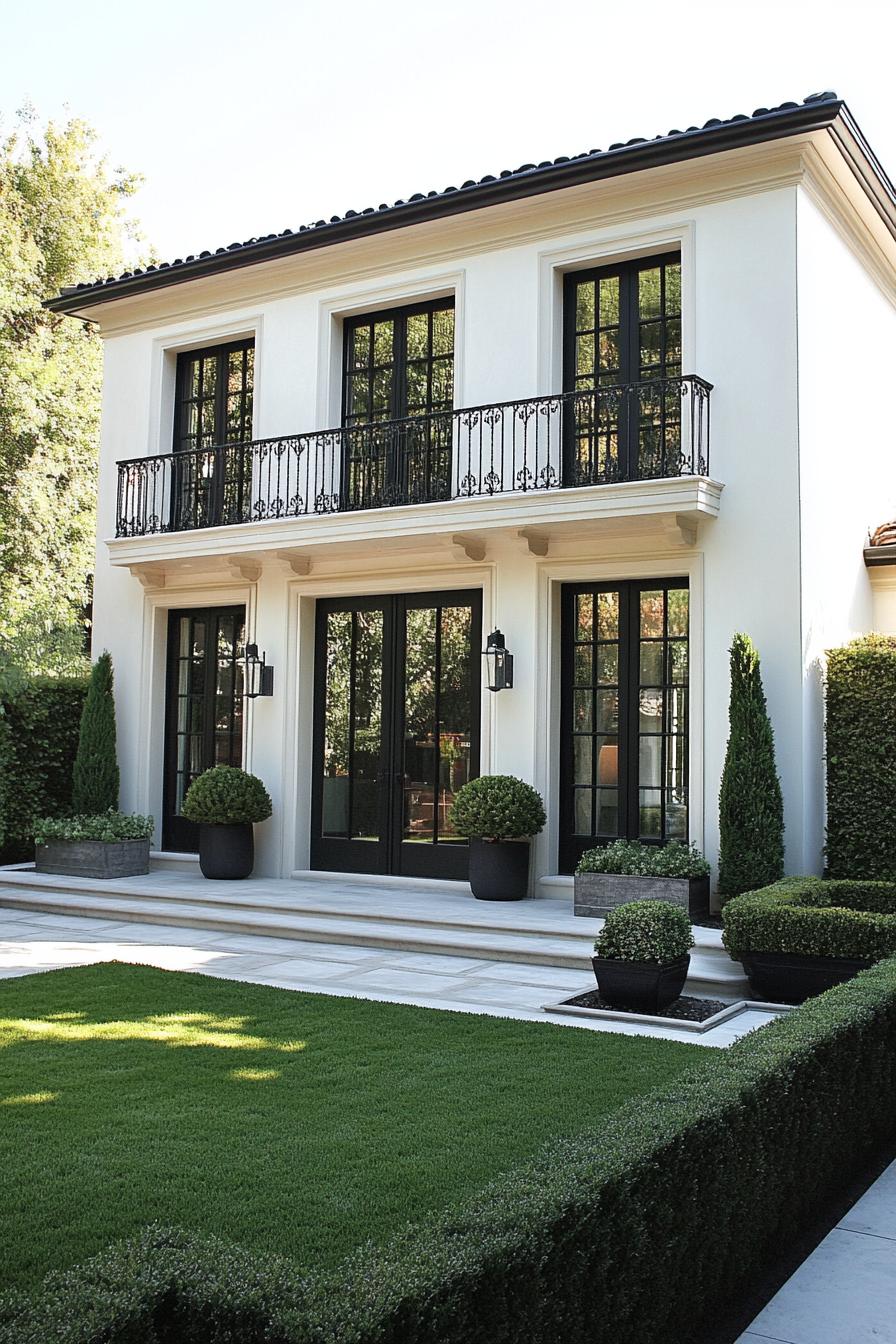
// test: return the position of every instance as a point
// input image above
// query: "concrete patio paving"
(35, 941)
(845, 1292)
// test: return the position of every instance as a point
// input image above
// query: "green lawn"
(295, 1122)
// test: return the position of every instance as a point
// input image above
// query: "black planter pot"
(499, 869)
(226, 852)
(789, 977)
(643, 986)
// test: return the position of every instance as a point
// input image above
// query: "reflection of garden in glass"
(353, 723)
(662, 714)
(437, 734)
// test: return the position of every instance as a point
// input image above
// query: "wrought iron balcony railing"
(642, 431)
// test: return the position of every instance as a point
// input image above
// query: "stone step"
(711, 968)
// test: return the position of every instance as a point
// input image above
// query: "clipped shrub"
(110, 827)
(498, 807)
(634, 859)
(645, 931)
(751, 808)
(815, 918)
(39, 726)
(713, 1174)
(95, 780)
(226, 796)
(860, 712)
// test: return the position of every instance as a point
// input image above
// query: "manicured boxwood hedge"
(642, 1229)
(815, 918)
(861, 758)
(38, 741)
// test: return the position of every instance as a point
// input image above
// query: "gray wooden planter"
(93, 858)
(596, 894)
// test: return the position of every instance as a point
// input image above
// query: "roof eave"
(630, 158)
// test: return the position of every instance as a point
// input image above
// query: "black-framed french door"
(214, 390)
(203, 708)
(396, 731)
(622, 354)
(398, 366)
(624, 714)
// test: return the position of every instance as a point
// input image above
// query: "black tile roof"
(530, 179)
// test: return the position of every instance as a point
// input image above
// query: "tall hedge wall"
(861, 758)
(38, 741)
(642, 1229)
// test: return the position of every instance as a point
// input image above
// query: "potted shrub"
(112, 844)
(642, 955)
(499, 814)
(612, 875)
(226, 802)
(803, 935)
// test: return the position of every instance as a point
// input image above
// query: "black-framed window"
(399, 362)
(622, 352)
(212, 471)
(624, 714)
(398, 365)
(213, 398)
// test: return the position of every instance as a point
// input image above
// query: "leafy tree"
(95, 776)
(751, 808)
(62, 221)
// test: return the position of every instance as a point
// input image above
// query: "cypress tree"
(95, 776)
(751, 808)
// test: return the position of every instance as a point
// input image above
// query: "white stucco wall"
(847, 462)
(740, 321)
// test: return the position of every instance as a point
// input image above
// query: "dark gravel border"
(685, 1009)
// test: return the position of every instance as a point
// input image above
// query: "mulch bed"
(685, 1009)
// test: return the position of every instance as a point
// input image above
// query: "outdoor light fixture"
(259, 679)
(498, 663)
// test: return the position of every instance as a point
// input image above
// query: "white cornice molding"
(461, 523)
(560, 215)
(861, 229)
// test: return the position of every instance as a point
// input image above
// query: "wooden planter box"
(93, 858)
(597, 894)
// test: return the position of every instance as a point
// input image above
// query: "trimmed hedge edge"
(641, 1229)
(814, 917)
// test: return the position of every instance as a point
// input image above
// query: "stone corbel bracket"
(246, 567)
(468, 548)
(151, 576)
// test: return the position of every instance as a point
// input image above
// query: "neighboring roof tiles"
(814, 113)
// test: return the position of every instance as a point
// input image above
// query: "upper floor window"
(623, 344)
(399, 363)
(213, 397)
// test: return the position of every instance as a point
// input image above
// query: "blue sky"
(250, 118)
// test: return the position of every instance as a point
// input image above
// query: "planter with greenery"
(803, 935)
(110, 844)
(226, 802)
(613, 875)
(499, 814)
(642, 956)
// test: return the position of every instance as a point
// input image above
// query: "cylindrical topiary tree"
(860, 729)
(95, 774)
(751, 808)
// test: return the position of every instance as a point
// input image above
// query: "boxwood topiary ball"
(498, 807)
(226, 796)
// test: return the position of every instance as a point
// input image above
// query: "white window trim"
(604, 249)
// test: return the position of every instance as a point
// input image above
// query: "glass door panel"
(624, 712)
(397, 731)
(204, 711)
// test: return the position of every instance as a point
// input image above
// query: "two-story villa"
(617, 406)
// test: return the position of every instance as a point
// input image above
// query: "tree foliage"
(95, 775)
(62, 220)
(751, 808)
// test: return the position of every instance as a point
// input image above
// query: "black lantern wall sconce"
(498, 663)
(259, 675)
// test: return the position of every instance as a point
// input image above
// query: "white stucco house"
(617, 406)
